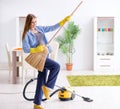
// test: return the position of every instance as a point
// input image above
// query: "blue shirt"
(30, 41)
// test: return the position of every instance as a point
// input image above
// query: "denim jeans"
(54, 69)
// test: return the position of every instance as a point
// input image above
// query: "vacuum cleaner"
(64, 93)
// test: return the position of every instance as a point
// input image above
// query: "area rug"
(94, 80)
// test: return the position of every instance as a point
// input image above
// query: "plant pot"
(69, 66)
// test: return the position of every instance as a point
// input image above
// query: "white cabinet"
(104, 43)
(20, 22)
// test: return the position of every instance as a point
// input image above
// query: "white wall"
(52, 11)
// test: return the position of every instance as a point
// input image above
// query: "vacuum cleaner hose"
(31, 99)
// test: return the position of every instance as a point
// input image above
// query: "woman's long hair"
(27, 24)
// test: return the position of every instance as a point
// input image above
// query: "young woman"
(32, 37)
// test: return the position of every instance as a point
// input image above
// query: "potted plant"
(66, 42)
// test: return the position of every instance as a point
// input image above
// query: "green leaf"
(66, 40)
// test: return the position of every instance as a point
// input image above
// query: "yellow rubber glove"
(39, 48)
(62, 22)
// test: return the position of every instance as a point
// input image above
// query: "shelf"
(104, 43)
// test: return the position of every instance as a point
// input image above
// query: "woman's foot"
(38, 106)
(46, 92)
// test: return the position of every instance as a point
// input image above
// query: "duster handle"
(63, 25)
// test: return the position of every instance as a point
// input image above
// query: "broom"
(37, 60)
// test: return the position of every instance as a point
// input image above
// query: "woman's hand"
(45, 49)
(66, 19)
(39, 48)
